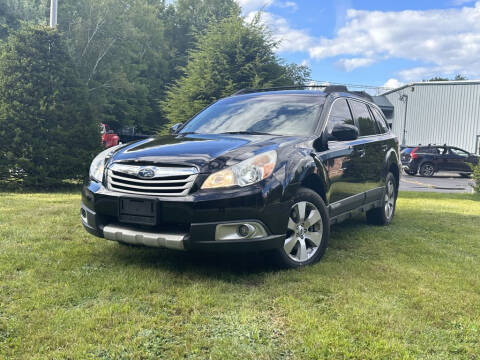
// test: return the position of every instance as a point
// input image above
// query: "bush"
(231, 55)
(476, 178)
(47, 130)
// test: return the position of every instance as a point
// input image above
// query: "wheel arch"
(393, 165)
(311, 175)
(395, 171)
(316, 183)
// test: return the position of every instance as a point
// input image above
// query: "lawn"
(410, 290)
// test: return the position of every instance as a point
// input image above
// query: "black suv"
(427, 160)
(263, 170)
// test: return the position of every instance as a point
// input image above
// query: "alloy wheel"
(428, 170)
(305, 231)
(389, 199)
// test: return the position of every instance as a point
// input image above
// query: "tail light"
(412, 154)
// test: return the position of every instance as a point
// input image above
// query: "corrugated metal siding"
(439, 114)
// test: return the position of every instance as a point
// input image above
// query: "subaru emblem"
(146, 173)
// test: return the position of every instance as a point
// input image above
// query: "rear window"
(382, 124)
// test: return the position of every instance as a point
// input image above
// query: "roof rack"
(328, 89)
(276, 88)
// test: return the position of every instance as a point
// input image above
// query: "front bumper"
(189, 222)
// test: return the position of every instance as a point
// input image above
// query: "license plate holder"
(138, 211)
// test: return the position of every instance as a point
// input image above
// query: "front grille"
(160, 181)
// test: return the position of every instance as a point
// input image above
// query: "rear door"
(374, 146)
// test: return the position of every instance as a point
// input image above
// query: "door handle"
(384, 148)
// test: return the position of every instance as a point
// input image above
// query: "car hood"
(207, 152)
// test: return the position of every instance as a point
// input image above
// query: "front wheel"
(383, 215)
(308, 229)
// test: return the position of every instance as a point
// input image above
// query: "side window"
(340, 114)
(429, 150)
(366, 124)
(459, 152)
(382, 124)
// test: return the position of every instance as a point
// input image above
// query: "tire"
(465, 175)
(427, 169)
(383, 215)
(304, 244)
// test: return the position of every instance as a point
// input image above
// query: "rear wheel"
(308, 230)
(465, 175)
(427, 169)
(383, 215)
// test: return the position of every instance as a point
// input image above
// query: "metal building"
(440, 112)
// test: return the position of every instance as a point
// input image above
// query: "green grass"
(410, 290)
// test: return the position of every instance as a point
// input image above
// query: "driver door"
(342, 161)
(458, 160)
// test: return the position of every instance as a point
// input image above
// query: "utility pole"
(404, 98)
(53, 13)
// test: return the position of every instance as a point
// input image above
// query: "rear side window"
(382, 124)
(366, 124)
(428, 150)
(340, 114)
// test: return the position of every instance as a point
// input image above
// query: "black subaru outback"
(262, 170)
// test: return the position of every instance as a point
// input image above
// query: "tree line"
(142, 63)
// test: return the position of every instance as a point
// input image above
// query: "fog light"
(244, 230)
(238, 231)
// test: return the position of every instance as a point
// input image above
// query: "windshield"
(271, 114)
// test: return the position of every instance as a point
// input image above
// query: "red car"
(109, 137)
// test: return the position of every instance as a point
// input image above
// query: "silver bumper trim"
(147, 238)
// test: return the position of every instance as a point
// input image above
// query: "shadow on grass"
(238, 266)
(211, 264)
(215, 265)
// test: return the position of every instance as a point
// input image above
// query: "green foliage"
(120, 52)
(47, 130)
(457, 77)
(231, 55)
(476, 178)
(185, 20)
(128, 52)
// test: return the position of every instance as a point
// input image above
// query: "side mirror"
(345, 132)
(175, 128)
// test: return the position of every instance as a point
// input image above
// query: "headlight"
(98, 164)
(245, 173)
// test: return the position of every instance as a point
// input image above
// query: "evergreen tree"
(231, 55)
(47, 130)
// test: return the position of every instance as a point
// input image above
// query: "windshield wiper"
(248, 133)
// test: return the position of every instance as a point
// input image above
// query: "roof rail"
(328, 89)
(276, 88)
